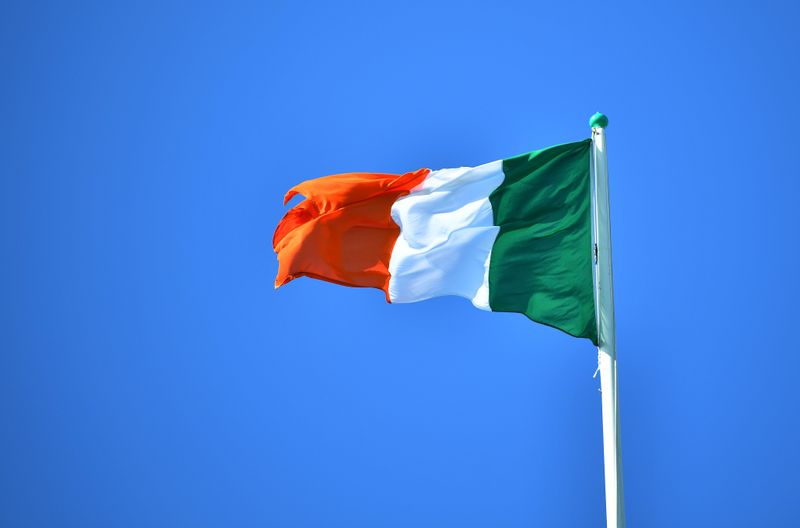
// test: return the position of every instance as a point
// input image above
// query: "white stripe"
(446, 236)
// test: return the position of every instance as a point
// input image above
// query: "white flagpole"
(607, 349)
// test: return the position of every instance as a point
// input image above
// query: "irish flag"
(513, 235)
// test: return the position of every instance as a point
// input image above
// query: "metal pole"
(607, 350)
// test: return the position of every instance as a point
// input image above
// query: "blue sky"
(151, 376)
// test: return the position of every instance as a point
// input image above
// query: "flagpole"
(607, 349)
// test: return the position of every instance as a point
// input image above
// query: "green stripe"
(541, 262)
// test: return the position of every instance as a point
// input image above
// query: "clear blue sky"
(152, 377)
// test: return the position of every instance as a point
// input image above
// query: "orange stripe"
(343, 232)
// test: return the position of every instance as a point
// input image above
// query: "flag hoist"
(527, 234)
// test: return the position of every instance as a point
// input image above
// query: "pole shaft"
(607, 353)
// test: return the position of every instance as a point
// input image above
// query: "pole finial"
(598, 120)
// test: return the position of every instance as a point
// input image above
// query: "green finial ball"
(598, 120)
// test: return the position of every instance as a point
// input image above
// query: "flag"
(513, 235)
